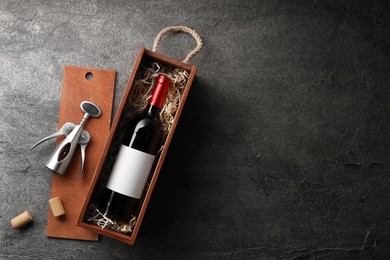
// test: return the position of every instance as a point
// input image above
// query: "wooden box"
(144, 59)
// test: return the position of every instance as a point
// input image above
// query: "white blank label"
(130, 172)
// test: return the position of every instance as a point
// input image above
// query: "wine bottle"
(135, 158)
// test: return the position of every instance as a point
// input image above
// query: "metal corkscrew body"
(75, 134)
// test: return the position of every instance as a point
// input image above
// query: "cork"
(56, 207)
(21, 220)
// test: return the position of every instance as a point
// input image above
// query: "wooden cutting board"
(81, 84)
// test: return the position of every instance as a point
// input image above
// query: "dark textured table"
(283, 148)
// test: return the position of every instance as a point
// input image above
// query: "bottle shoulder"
(142, 133)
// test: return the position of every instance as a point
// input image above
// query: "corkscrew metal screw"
(75, 134)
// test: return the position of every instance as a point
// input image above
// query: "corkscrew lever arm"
(84, 140)
(66, 129)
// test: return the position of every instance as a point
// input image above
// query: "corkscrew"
(74, 134)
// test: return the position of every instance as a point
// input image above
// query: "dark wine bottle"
(135, 158)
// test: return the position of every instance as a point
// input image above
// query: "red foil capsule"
(160, 91)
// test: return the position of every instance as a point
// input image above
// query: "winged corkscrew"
(75, 134)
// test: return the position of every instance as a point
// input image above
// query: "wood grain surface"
(71, 187)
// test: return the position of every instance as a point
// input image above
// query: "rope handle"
(199, 42)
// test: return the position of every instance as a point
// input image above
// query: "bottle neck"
(152, 110)
(160, 91)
